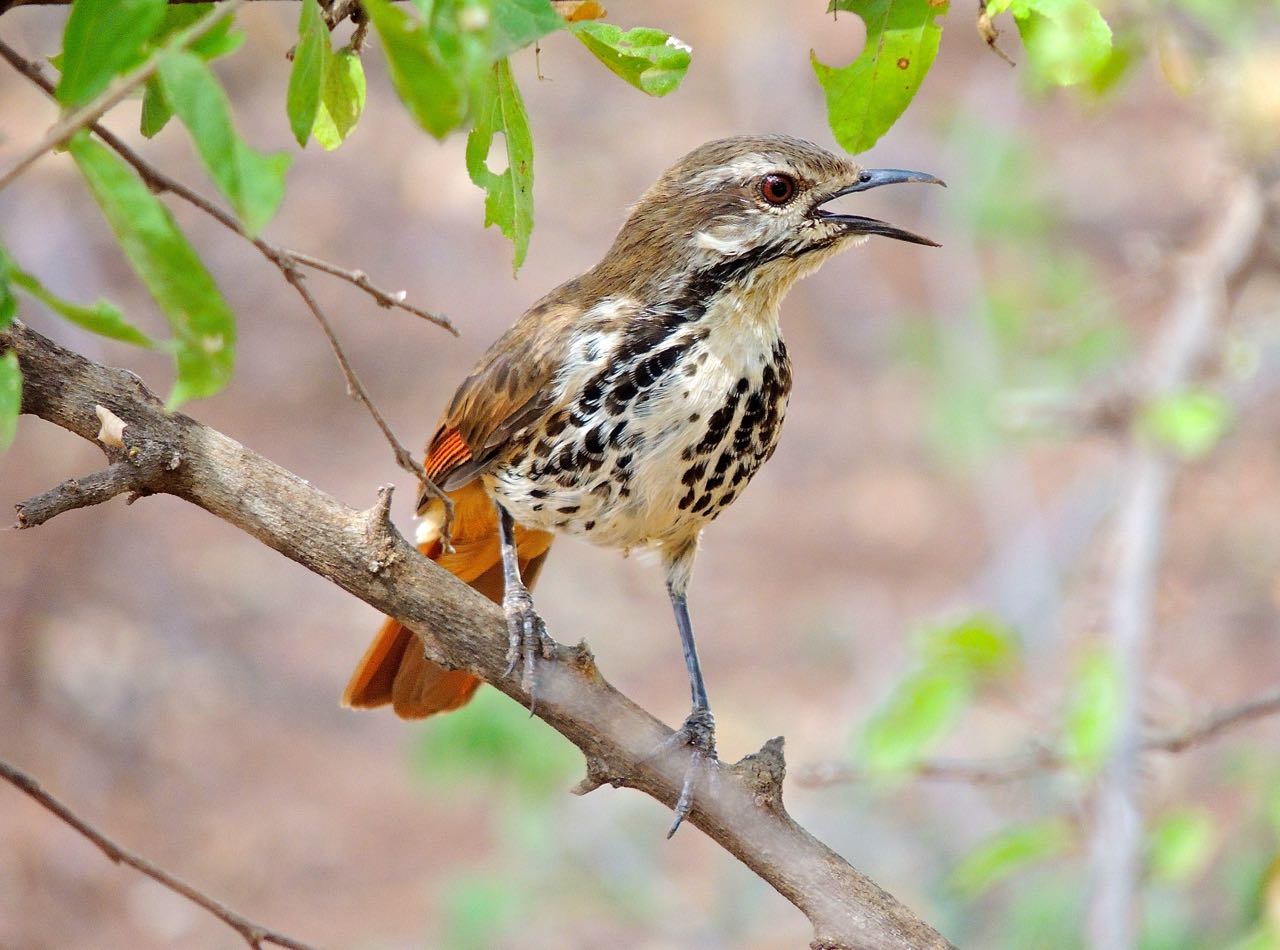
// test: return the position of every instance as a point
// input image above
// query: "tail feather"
(394, 669)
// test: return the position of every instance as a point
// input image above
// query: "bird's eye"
(777, 189)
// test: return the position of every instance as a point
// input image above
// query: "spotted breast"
(661, 422)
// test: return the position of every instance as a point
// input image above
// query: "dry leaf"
(577, 10)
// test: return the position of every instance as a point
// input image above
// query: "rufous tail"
(395, 669)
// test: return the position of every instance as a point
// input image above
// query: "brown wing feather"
(506, 390)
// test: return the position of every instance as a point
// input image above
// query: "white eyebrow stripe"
(743, 169)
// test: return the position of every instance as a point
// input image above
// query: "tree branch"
(255, 935)
(363, 553)
(1040, 759)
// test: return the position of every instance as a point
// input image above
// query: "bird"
(631, 405)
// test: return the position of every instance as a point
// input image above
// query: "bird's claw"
(698, 733)
(527, 639)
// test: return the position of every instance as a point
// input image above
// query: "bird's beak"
(870, 178)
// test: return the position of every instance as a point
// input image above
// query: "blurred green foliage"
(952, 661)
(1041, 326)
(1092, 713)
(1191, 423)
(1009, 852)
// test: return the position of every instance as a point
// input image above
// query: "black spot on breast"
(687, 500)
(701, 503)
(588, 525)
(568, 509)
(656, 366)
(621, 395)
(694, 473)
(718, 425)
(742, 386)
(593, 392)
(593, 441)
(538, 493)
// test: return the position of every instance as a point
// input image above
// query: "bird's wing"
(508, 389)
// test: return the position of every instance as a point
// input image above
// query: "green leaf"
(1067, 41)
(980, 644)
(102, 39)
(219, 41)
(102, 317)
(252, 181)
(307, 77)
(866, 97)
(1093, 713)
(434, 62)
(1179, 846)
(156, 111)
(1007, 852)
(10, 398)
(203, 325)
(508, 199)
(921, 710)
(1191, 423)
(517, 23)
(651, 60)
(342, 102)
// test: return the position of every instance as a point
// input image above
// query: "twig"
(359, 278)
(1042, 760)
(255, 935)
(356, 389)
(89, 113)
(287, 262)
(1185, 339)
(363, 553)
(116, 479)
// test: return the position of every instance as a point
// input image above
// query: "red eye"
(777, 189)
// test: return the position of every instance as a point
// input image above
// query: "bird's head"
(750, 211)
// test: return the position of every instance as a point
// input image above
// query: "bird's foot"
(699, 734)
(527, 640)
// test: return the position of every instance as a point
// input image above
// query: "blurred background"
(922, 571)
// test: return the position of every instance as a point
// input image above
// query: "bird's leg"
(699, 729)
(526, 633)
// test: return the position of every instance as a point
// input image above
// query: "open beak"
(873, 178)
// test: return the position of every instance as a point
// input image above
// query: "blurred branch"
(255, 935)
(288, 263)
(1041, 760)
(1184, 340)
(87, 114)
(364, 554)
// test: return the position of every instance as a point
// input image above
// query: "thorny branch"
(1040, 760)
(288, 262)
(363, 553)
(255, 935)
